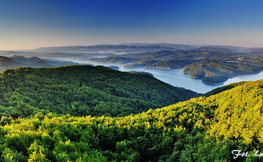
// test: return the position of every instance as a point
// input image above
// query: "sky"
(29, 24)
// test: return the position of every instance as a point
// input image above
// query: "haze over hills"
(167, 59)
(142, 47)
(6, 63)
(146, 55)
(256, 52)
(34, 103)
(114, 60)
(25, 60)
(35, 62)
(21, 61)
(237, 49)
(101, 48)
(196, 54)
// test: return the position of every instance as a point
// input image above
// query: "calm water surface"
(179, 79)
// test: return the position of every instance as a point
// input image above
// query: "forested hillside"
(83, 90)
(200, 129)
(139, 64)
(157, 64)
(169, 64)
(21, 61)
(6, 62)
(213, 65)
(213, 72)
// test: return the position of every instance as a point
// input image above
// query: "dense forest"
(94, 113)
(212, 65)
(212, 72)
(200, 129)
(83, 90)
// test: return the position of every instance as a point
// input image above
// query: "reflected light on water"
(177, 78)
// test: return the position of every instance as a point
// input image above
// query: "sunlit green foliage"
(200, 129)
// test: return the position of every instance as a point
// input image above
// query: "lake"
(177, 78)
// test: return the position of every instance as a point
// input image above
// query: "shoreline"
(214, 83)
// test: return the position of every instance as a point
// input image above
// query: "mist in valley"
(54, 57)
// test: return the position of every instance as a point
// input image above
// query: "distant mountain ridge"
(98, 48)
(21, 61)
(148, 55)
(114, 60)
(224, 58)
(41, 63)
(8, 63)
(154, 46)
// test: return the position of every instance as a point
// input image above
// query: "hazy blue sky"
(27, 24)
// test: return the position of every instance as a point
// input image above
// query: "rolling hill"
(83, 90)
(200, 129)
(113, 60)
(7, 63)
(217, 72)
(21, 61)
(163, 64)
(40, 63)
(178, 59)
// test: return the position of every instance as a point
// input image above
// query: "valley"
(226, 63)
(131, 81)
(67, 107)
(94, 113)
(217, 65)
